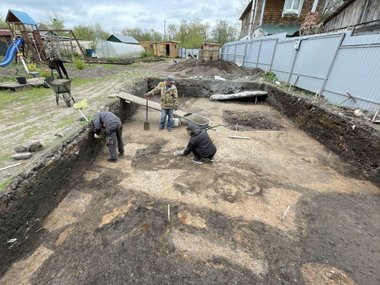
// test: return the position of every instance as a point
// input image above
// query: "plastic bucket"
(21, 79)
(176, 122)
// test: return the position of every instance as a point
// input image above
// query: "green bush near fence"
(79, 64)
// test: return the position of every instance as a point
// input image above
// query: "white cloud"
(116, 15)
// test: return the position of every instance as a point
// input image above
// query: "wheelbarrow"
(61, 87)
(196, 120)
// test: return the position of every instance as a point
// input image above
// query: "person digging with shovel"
(112, 126)
(200, 144)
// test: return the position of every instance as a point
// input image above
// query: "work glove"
(97, 136)
(178, 153)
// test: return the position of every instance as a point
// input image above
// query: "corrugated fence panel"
(343, 68)
(231, 52)
(356, 72)
(240, 54)
(252, 54)
(314, 58)
(283, 59)
(266, 54)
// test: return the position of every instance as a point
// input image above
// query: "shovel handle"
(146, 109)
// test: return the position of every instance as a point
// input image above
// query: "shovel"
(146, 123)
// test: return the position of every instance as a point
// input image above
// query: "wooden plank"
(139, 101)
(151, 104)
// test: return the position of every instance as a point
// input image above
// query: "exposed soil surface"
(243, 121)
(274, 208)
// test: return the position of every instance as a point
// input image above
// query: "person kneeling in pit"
(112, 126)
(200, 144)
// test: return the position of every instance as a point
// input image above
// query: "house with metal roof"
(122, 39)
(268, 17)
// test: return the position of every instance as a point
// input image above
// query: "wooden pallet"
(14, 86)
(36, 82)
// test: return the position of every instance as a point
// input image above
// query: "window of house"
(292, 7)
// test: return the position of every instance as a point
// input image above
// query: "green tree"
(52, 22)
(84, 32)
(99, 32)
(142, 35)
(90, 32)
(224, 32)
(192, 34)
(172, 32)
(3, 24)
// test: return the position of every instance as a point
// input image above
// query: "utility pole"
(165, 27)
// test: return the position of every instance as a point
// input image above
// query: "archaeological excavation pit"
(291, 198)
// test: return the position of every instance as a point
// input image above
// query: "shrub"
(270, 76)
(146, 54)
(32, 67)
(45, 73)
(79, 64)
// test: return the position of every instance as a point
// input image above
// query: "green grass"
(4, 157)
(5, 183)
(69, 120)
(8, 98)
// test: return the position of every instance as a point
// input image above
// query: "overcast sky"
(114, 16)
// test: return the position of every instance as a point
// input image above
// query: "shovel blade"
(146, 126)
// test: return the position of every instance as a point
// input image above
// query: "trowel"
(146, 123)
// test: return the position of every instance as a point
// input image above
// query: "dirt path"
(272, 209)
(41, 119)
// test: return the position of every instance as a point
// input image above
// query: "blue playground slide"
(10, 55)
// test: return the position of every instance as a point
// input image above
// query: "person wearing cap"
(54, 57)
(200, 144)
(169, 101)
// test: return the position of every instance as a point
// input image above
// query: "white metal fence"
(188, 52)
(344, 69)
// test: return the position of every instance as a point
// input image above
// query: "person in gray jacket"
(200, 144)
(112, 126)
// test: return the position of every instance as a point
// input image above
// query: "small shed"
(122, 39)
(166, 48)
(148, 46)
(209, 51)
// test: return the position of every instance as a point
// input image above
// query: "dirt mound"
(209, 68)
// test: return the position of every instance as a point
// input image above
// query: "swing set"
(29, 41)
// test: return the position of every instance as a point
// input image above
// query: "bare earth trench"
(273, 209)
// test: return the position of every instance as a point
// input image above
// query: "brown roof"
(246, 11)
(345, 4)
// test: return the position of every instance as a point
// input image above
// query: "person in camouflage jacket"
(169, 101)
(52, 54)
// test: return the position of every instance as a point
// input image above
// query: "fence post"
(294, 61)
(274, 52)
(245, 53)
(235, 53)
(332, 63)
